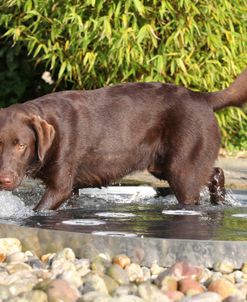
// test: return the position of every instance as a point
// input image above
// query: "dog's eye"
(21, 147)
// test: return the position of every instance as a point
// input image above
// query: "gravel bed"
(61, 277)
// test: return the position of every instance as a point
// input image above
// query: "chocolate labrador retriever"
(78, 139)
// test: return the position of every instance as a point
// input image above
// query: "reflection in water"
(180, 212)
(110, 214)
(83, 222)
(114, 234)
(240, 215)
(232, 227)
(115, 214)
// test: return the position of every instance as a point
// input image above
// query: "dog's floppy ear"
(45, 135)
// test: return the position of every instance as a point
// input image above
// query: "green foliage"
(234, 129)
(92, 43)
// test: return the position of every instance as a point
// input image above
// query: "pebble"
(223, 287)
(128, 298)
(14, 267)
(92, 296)
(156, 269)
(71, 276)
(125, 290)
(182, 270)
(4, 292)
(238, 275)
(82, 266)
(61, 290)
(135, 273)
(3, 277)
(146, 274)
(35, 263)
(94, 282)
(59, 266)
(224, 267)
(56, 277)
(204, 297)
(36, 295)
(20, 287)
(9, 246)
(190, 287)
(118, 274)
(100, 264)
(2, 257)
(47, 258)
(168, 283)
(234, 299)
(122, 260)
(110, 283)
(16, 257)
(175, 296)
(205, 275)
(67, 254)
(151, 293)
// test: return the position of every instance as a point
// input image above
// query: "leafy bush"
(92, 43)
(234, 132)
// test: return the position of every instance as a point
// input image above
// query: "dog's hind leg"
(188, 152)
(187, 182)
(187, 179)
(216, 186)
(186, 175)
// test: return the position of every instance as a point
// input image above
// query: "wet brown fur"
(78, 139)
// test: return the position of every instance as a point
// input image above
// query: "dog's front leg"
(52, 199)
(58, 188)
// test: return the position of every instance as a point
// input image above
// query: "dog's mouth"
(9, 183)
(7, 187)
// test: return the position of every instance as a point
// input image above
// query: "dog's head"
(23, 138)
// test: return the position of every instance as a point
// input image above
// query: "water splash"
(234, 200)
(142, 195)
(122, 194)
(12, 206)
(231, 199)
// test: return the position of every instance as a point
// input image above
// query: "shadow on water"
(131, 211)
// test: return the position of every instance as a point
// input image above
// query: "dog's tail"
(234, 95)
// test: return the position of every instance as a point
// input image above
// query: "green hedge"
(92, 43)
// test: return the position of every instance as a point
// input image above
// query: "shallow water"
(129, 212)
